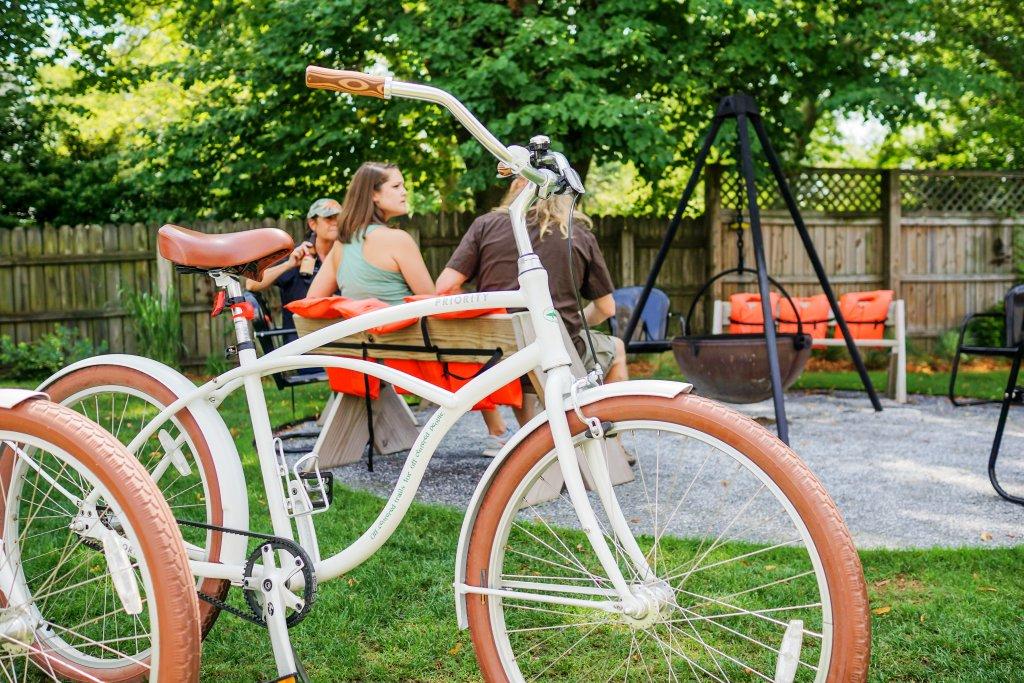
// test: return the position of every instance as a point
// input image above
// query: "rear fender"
(222, 445)
(647, 387)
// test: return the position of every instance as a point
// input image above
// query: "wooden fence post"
(891, 237)
(164, 276)
(627, 256)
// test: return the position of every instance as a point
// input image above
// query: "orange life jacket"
(865, 313)
(745, 315)
(814, 314)
(444, 374)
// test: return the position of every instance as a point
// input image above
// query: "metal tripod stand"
(744, 109)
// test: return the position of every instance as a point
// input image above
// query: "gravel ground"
(912, 476)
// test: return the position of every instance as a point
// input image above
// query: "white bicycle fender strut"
(234, 500)
(646, 387)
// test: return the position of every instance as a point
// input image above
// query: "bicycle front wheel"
(757, 577)
(94, 581)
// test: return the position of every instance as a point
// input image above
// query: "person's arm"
(450, 281)
(600, 309)
(325, 283)
(271, 274)
(597, 281)
(410, 263)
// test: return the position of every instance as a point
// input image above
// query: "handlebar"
(352, 82)
(516, 158)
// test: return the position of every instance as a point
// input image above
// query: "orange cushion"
(814, 313)
(326, 308)
(351, 382)
(316, 308)
(745, 315)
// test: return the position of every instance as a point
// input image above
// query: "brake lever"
(572, 178)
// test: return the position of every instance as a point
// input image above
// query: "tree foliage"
(615, 83)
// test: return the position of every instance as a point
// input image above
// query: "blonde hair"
(547, 212)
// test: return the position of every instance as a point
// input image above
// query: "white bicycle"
(724, 559)
(94, 580)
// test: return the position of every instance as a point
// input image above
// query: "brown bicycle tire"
(852, 630)
(144, 509)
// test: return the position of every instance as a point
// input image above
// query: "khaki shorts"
(603, 351)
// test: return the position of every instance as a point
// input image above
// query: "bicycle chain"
(290, 546)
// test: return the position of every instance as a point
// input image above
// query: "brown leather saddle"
(246, 253)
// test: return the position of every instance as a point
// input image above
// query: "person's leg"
(497, 433)
(493, 420)
(529, 409)
(618, 371)
(610, 353)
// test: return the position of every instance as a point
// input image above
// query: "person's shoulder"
(392, 237)
(584, 233)
(492, 220)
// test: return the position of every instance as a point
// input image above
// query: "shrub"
(156, 321)
(45, 356)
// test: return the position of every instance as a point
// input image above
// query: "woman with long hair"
(488, 255)
(372, 259)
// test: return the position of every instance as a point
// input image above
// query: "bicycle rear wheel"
(123, 400)
(757, 573)
(94, 580)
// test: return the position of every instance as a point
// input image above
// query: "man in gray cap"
(294, 274)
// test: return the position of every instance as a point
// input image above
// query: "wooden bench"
(895, 319)
(345, 430)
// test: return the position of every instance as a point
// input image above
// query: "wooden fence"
(943, 240)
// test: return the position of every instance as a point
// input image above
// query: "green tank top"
(359, 279)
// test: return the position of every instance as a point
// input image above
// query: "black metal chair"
(1014, 348)
(269, 337)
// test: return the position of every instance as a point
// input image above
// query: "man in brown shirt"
(487, 254)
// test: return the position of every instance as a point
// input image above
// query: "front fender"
(10, 398)
(644, 387)
(225, 454)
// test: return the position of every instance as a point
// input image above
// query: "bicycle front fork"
(556, 388)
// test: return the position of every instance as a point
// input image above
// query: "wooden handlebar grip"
(351, 82)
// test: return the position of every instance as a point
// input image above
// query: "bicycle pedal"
(311, 482)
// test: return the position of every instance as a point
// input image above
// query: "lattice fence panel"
(825, 190)
(963, 193)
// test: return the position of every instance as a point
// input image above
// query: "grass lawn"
(939, 614)
(951, 614)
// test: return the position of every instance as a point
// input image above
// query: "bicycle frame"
(547, 351)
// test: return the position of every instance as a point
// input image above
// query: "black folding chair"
(1014, 349)
(269, 337)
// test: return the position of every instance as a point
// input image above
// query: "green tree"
(971, 94)
(614, 81)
